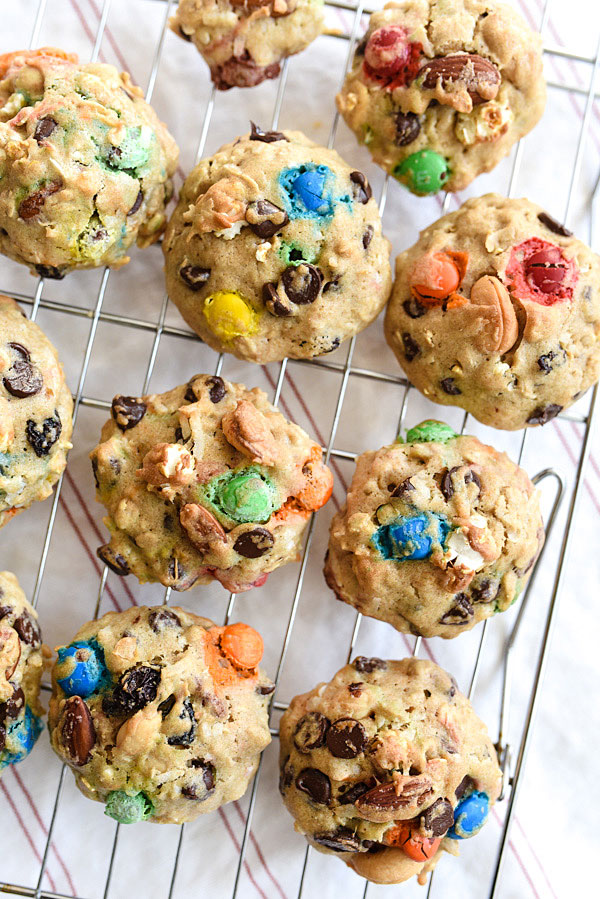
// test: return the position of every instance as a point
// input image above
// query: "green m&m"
(243, 496)
(430, 432)
(424, 172)
(128, 808)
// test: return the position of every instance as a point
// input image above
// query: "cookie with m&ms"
(496, 309)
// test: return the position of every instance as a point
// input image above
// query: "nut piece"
(168, 463)
(10, 651)
(499, 324)
(385, 801)
(248, 431)
(202, 527)
(77, 730)
(453, 76)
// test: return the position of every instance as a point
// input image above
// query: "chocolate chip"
(471, 477)
(5, 610)
(310, 731)
(545, 362)
(78, 732)
(467, 783)
(413, 308)
(315, 784)
(302, 283)
(187, 738)
(272, 301)
(255, 543)
(50, 271)
(113, 156)
(354, 792)
(486, 591)
(136, 688)
(265, 218)
(446, 485)
(166, 706)
(127, 411)
(23, 379)
(362, 189)
(32, 205)
(267, 137)
(553, 225)
(115, 561)
(408, 127)
(159, 619)
(367, 236)
(217, 389)
(28, 630)
(194, 276)
(543, 414)
(437, 819)
(208, 775)
(367, 666)
(411, 347)
(137, 204)
(355, 690)
(399, 490)
(341, 840)
(346, 738)
(43, 439)
(179, 579)
(449, 386)
(331, 285)
(265, 689)
(44, 128)
(13, 707)
(461, 612)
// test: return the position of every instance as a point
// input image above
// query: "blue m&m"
(305, 188)
(412, 537)
(469, 816)
(20, 738)
(80, 669)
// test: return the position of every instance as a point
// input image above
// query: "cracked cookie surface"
(85, 164)
(440, 90)
(244, 41)
(387, 766)
(161, 714)
(35, 413)
(437, 533)
(275, 249)
(496, 309)
(208, 481)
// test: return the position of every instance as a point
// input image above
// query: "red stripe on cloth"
(573, 459)
(111, 39)
(540, 865)
(90, 34)
(520, 861)
(237, 846)
(38, 818)
(25, 830)
(274, 880)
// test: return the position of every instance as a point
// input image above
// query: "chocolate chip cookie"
(440, 91)
(22, 660)
(275, 249)
(496, 309)
(160, 714)
(208, 481)
(387, 766)
(244, 41)
(35, 413)
(85, 164)
(437, 533)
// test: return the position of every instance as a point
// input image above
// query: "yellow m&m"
(229, 315)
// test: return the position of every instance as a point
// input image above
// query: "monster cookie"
(440, 91)
(244, 41)
(22, 659)
(85, 164)
(35, 413)
(275, 249)
(496, 309)
(437, 533)
(208, 481)
(386, 766)
(161, 714)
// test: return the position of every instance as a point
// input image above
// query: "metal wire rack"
(512, 758)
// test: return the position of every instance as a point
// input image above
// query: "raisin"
(43, 439)
(136, 688)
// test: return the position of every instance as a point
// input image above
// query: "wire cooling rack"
(551, 482)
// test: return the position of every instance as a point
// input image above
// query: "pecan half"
(167, 463)
(77, 731)
(383, 802)
(202, 527)
(499, 323)
(459, 73)
(248, 431)
(10, 651)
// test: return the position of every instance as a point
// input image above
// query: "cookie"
(496, 309)
(437, 533)
(208, 481)
(386, 766)
(85, 164)
(35, 413)
(244, 41)
(160, 714)
(275, 249)
(22, 660)
(440, 91)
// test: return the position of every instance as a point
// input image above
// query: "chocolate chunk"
(13, 707)
(467, 783)
(208, 774)
(272, 301)
(43, 439)
(255, 543)
(387, 802)
(136, 688)
(553, 225)
(187, 738)
(543, 414)
(399, 490)
(217, 389)
(127, 411)
(449, 386)
(486, 591)
(115, 561)
(315, 784)
(341, 840)
(32, 205)
(413, 308)
(437, 819)
(367, 666)
(23, 379)
(5, 610)
(362, 189)
(28, 630)
(367, 236)
(137, 204)
(50, 271)
(194, 276)
(302, 283)
(265, 218)
(310, 731)
(346, 738)
(411, 347)
(44, 128)
(267, 137)
(162, 618)
(408, 127)
(460, 613)
(446, 485)
(265, 689)
(166, 706)
(354, 792)
(78, 732)
(471, 477)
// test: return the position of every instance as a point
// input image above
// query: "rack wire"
(512, 758)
